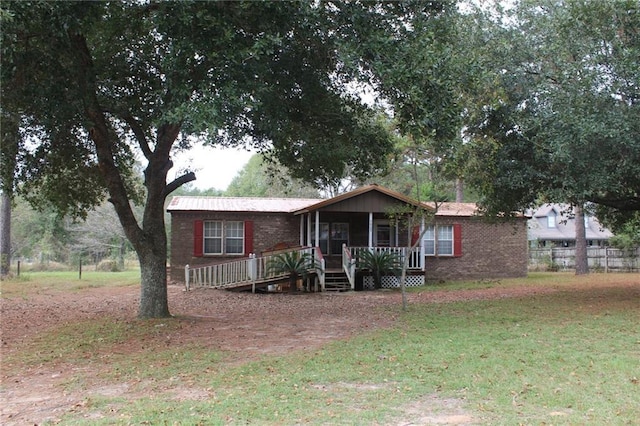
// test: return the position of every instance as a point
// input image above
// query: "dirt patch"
(244, 324)
(433, 410)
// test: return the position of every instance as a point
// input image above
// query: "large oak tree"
(562, 122)
(104, 82)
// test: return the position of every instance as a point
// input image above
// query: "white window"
(445, 240)
(551, 219)
(234, 237)
(218, 232)
(442, 245)
(213, 237)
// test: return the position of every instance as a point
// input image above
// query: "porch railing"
(255, 270)
(416, 260)
(251, 270)
(320, 266)
(349, 265)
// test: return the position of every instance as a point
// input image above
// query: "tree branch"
(139, 134)
(623, 204)
(178, 182)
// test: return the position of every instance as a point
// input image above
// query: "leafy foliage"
(627, 234)
(379, 263)
(98, 83)
(562, 124)
(259, 178)
(294, 263)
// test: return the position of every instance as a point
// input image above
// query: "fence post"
(80, 269)
(606, 260)
(253, 271)
(186, 277)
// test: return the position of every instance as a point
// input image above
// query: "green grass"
(567, 357)
(65, 281)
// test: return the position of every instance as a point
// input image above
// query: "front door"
(384, 235)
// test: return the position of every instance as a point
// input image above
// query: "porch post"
(395, 231)
(308, 229)
(317, 244)
(370, 229)
(301, 229)
(422, 253)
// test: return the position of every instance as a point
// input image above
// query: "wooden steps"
(336, 280)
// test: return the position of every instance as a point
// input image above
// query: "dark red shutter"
(198, 240)
(457, 239)
(248, 237)
(415, 234)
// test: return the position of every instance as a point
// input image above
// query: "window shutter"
(415, 234)
(457, 239)
(198, 240)
(248, 237)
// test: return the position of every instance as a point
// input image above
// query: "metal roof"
(304, 205)
(455, 209)
(239, 204)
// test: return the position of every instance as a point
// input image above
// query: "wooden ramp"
(263, 285)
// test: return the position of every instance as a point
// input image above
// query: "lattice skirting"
(394, 282)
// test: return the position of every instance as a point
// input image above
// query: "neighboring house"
(553, 225)
(458, 245)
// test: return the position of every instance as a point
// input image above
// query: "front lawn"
(566, 356)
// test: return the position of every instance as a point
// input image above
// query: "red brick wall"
(488, 251)
(269, 229)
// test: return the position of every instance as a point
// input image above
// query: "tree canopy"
(260, 178)
(563, 121)
(95, 85)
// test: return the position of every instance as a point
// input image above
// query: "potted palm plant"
(296, 264)
(378, 264)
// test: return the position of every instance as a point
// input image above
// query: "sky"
(214, 167)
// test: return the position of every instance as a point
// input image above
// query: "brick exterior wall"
(269, 229)
(488, 251)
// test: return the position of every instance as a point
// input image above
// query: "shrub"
(108, 265)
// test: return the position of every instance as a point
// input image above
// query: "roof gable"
(366, 198)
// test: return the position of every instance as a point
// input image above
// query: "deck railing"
(416, 261)
(250, 270)
(349, 265)
(320, 265)
(255, 270)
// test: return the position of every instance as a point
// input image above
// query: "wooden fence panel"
(606, 259)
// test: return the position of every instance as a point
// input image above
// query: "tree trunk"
(459, 190)
(582, 263)
(5, 234)
(9, 145)
(293, 283)
(377, 280)
(150, 239)
(121, 254)
(153, 286)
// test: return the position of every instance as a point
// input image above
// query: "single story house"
(554, 225)
(456, 243)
